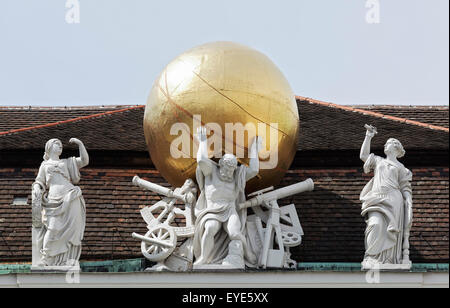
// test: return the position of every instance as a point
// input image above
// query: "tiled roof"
(326, 126)
(115, 127)
(323, 126)
(364, 110)
(15, 117)
(330, 215)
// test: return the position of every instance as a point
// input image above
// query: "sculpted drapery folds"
(386, 204)
(59, 213)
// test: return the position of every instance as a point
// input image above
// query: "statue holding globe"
(219, 236)
(222, 87)
(226, 84)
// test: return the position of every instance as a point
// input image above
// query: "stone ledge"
(139, 265)
(257, 279)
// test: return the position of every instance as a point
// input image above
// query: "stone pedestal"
(365, 266)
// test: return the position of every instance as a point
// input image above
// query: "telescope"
(157, 188)
(263, 196)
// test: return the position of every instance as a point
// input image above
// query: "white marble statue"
(59, 212)
(220, 233)
(386, 206)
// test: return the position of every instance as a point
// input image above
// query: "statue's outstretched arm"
(365, 148)
(205, 164)
(253, 167)
(83, 160)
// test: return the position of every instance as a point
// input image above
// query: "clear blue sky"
(325, 48)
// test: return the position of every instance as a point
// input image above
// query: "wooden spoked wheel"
(165, 241)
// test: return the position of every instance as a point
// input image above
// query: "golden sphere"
(221, 82)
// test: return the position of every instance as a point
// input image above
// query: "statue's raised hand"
(201, 134)
(76, 141)
(370, 130)
(257, 143)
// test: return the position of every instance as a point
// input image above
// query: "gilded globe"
(234, 91)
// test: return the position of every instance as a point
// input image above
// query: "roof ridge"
(372, 113)
(441, 107)
(70, 120)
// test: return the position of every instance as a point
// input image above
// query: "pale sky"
(325, 48)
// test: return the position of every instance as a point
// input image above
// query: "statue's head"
(53, 147)
(227, 165)
(394, 146)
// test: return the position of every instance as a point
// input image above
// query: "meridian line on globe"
(175, 113)
(239, 106)
(231, 100)
(169, 99)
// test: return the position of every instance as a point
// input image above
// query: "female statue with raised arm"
(58, 230)
(386, 205)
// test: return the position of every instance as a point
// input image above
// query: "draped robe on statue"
(383, 206)
(221, 212)
(63, 212)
